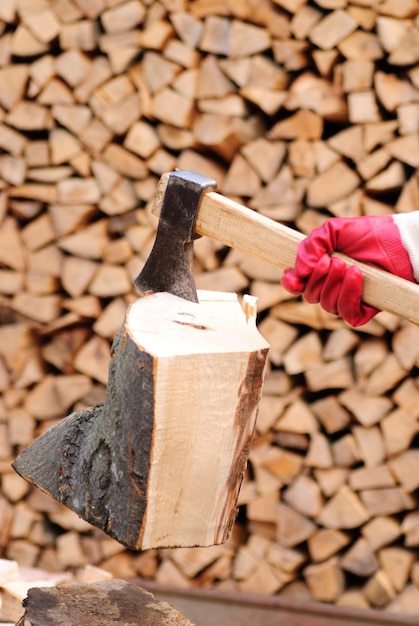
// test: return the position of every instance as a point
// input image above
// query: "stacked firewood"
(300, 109)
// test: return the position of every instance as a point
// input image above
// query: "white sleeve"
(408, 225)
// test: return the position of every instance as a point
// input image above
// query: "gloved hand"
(325, 279)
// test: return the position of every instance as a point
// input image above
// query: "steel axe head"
(169, 265)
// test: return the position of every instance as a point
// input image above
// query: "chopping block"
(110, 602)
(161, 461)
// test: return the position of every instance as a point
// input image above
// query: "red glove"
(325, 279)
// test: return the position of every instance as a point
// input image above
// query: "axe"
(160, 463)
(241, 228)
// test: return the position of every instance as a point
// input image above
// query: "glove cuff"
(408, 225)
(391, 242)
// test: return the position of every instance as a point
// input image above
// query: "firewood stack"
(301, 109)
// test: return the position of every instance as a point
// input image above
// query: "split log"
(164, 341)
(326, 543)
(325, 580)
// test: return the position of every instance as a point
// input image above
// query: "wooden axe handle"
(238, 227)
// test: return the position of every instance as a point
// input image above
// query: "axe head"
(169, 265)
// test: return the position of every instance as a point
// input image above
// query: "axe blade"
(169, 265)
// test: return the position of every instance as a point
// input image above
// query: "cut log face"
(182, 399)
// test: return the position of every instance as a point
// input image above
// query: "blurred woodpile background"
(301, 109)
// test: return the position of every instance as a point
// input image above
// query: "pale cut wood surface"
(239, 227)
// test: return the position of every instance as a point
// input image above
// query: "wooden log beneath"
(113, 602)
(180, 409)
